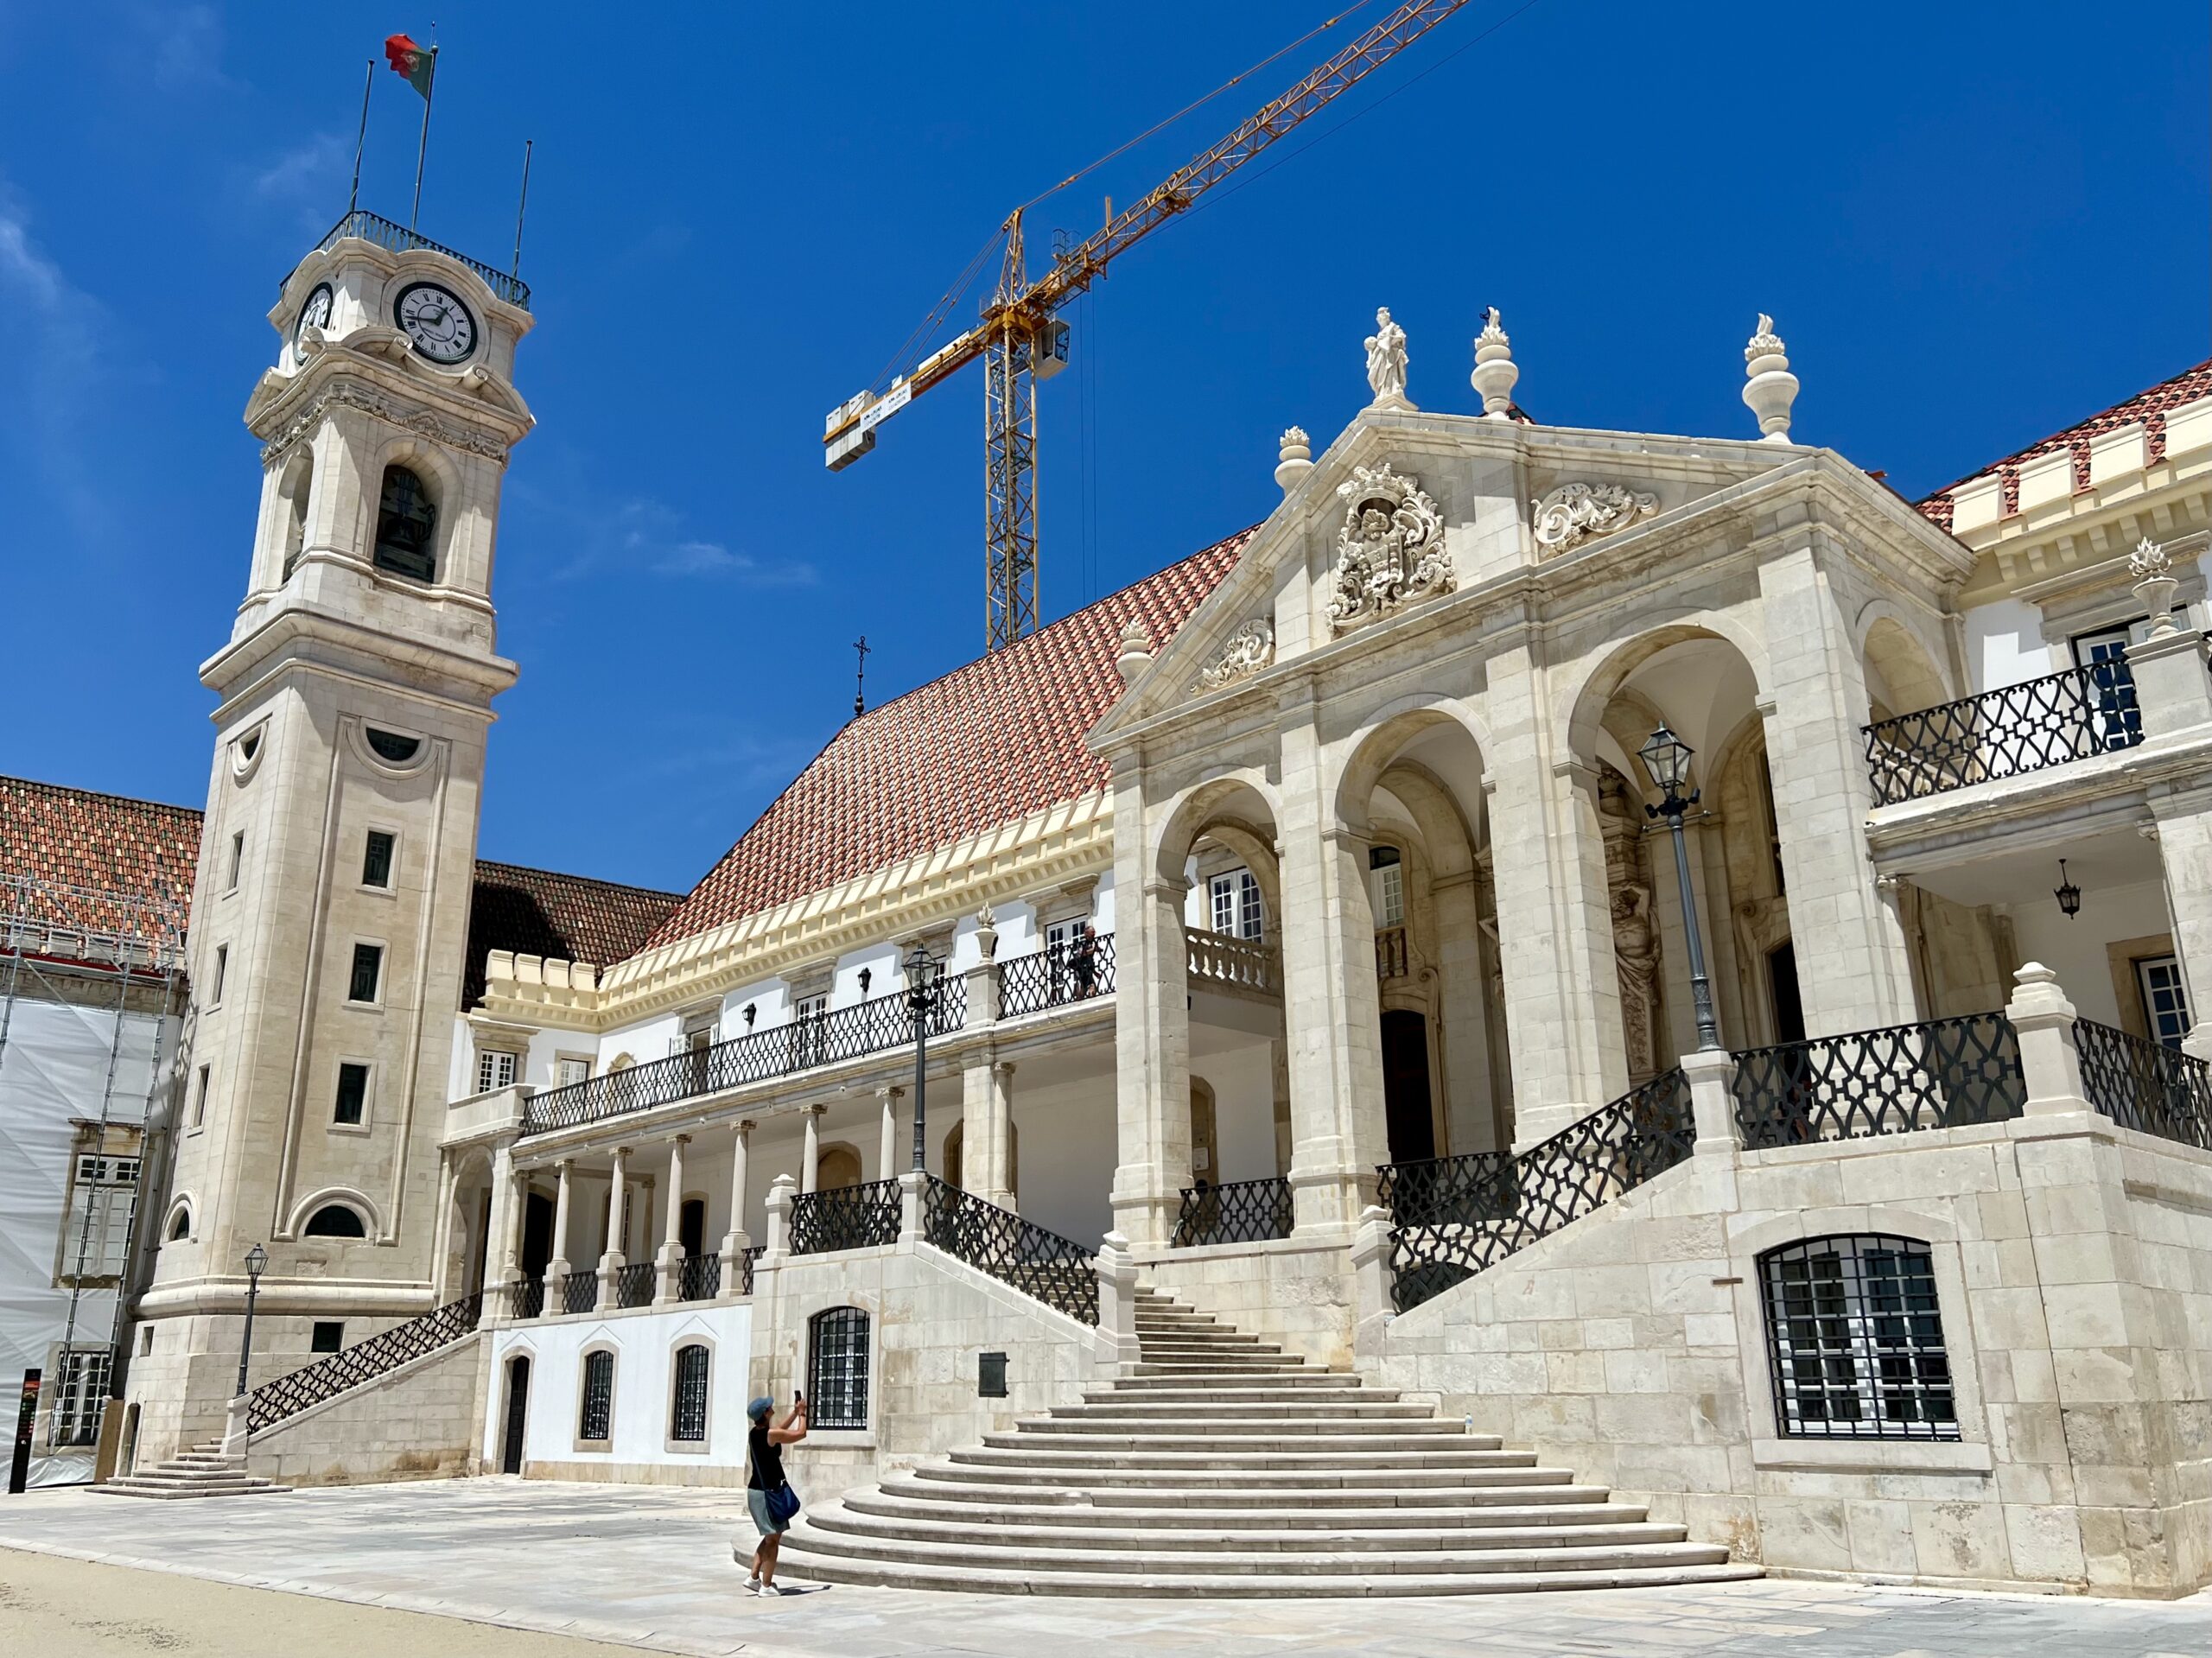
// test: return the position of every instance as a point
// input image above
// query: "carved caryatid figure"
(1636, 958)
(1390, 549)
(1386, 361)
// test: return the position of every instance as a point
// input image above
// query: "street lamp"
(1667, 757)
(922, 969)
(257, 1260)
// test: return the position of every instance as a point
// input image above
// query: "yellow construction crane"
(1022, 340)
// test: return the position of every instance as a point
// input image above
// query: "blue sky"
(1973, 225)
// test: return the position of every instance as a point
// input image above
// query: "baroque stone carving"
(1249, 648)
(1574, 513)
(1390, 550)
(346, 394)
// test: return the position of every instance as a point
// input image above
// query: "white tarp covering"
(55, 1071)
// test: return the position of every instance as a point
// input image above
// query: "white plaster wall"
(1102, 904)
(1068, 1151)
(2075, 949)
(644, 1042)
(1244, 1114)
(769, 999)
(885, 975)
(2005, 645)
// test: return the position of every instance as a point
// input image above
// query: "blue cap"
(760, 1407)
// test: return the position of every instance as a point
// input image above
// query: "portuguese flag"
(417, 63)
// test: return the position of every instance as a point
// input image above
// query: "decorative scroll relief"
(1390, 550)
(1250, 648)
(1574, 513)
(347, 395)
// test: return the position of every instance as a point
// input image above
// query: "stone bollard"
(780, 1221)
(1117, 1306)
(2050, 1063)
(1373, 1306)
(1711, 1073)
(234, 1428)
(910, 1208)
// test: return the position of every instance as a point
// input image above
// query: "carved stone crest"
(1390, 550)
(1249, 648)
(1574, 513)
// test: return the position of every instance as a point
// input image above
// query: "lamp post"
(1667, 757)
(257, 1259)
(921, 997)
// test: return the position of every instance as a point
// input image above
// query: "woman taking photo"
(767, 1493)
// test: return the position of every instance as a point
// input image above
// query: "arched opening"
(955, 1142)
(297, 489)
(518, 1415)
(536, 1236)
(335, 1221)
(1901, 676)
(181, 1223)
(837, 1165)
(407, 526)
(691, 1227)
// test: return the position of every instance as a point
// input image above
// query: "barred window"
(836, 1371)
(1855, 1340)
(599, 1396)
(82, 1396)
(688, 1418)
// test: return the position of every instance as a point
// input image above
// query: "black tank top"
(767, 1461)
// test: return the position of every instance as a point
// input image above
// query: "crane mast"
(1022, 340)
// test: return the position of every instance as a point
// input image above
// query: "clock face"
(316, 312)
(439, 324)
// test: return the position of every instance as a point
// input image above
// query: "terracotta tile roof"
(99, 843)
(2149, 407)
(535, 912)
(987, 744)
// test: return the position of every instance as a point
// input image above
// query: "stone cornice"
(2164, 503)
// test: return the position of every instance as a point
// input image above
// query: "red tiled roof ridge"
(986, 744)
(500, 865)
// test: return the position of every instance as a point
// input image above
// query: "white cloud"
(303, 169)
(184, 45)
(644, 535)
(50, 365)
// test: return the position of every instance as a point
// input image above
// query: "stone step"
(1215, 1366)
(1265, 1511)
(1234, 1427)
(987, 1467)
(154, 1483)
(1312, 1394)
(1296, 1503)
(1210, 1408)
(1052, 1458)
(1390, 1439)
(1179, 1380)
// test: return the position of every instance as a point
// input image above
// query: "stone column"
(611, 1262)
(997, 1186)
(1464, 1041)
(809, 1166)
(441, 1263)
(1855, 971)
(556, 1270)
(735, 1242)
(499, 1268)
(1152, 1031)
(668, 1285)
(886, 1160)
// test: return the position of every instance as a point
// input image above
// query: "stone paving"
(650, 1567)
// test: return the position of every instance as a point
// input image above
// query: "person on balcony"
(1082, 961)
(768, 1494)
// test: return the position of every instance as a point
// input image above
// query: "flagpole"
(368, 80)
(522, 206)
(423, 148)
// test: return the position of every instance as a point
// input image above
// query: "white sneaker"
(761, 1588)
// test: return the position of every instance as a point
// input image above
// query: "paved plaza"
(650, 1568)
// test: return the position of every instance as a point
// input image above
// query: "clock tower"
(331, 909)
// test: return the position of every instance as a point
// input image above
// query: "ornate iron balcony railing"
(851, 1032)
(1237, 1211)
(368, 228)
(700, 1279)
(528, 1298)
(2067, 716)
(745, 1269)
(1042, 1265)
(580, 1291)
(634, 1284)
(845, 1217)
(304, 1389)
(1056, 977)
(1237, 964)
(2146, 1085)
(1458, 1215)
(1892, 1081)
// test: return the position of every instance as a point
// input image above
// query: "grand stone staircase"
(1224, 1467)
(205, 1472)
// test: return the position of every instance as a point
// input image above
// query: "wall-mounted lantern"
(752, 1013)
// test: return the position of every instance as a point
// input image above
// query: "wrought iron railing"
(529, 1298)
(580, 1291)
(1456, 1217)
(1042, 1265)
(2146, 1085)
(368, 228)
(845, 1217)
(1390, 953)
(2064, 716)
(1939, 1074)
(288, 1395)
(1236, 963)
(1237, 1211)
(865, 1028)
(1056, 976)
(634, 1284)
(745, 1269)
(700, 1278)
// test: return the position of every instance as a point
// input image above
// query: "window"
(2165, 1001)
(96, 1236)
(200, 1098)
(1235, 903)
(238, 859)
(222, 972)
(81, 1398)
(376, 859)
(809, 1039)
(1855, 1340)
(836, 1370)
(392, 746)
(368, 969)
(2112, 683)
(494, 1070)
(328, 1336)
(566, 1072)
(179, 1227)
(688, 1416)
(593, 1423)
(336, 1220)
(351, 1108)
(1386, 884)
(407, 525)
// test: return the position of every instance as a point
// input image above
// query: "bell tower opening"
(407, 526)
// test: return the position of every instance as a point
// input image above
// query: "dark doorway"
(1782, 983)
(536, 1236)
(1405, 1086)
(518, 1413)
(691, 1227)
(480, 1248)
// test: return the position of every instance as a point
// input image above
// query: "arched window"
(298, 488)
(594, 1422)
(688, 1415)
(1855, 1340)
(836, 1370)
(407, 525)
(181, 1223)
(335, 1221)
